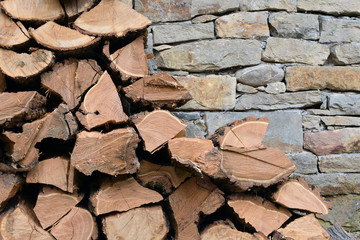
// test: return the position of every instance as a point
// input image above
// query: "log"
(112, 153)
(71, 79)
(58, 124)
(56, 37)
(166, 177)
(52, 204)
(17, 108)
(263, 215)
(296, 194)
(21, 66)
(157, 127)
(2, 82)
(9, 185)
(130, 61)
(118, 20)
(160, 90)
(144, 223)
(193, 197)
(77, 224)
(120, 195)
(12, 34)
(305, 228)
(101, 105)
(73, 8)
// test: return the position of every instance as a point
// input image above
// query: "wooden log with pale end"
(10, 184)
(75, 8)
(12, 34)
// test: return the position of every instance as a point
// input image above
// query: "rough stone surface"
(196, 126)
(204, 18)
(172, 33)
(284, 130)
(260, 75)
(220, 92)
(264, 101)
(346, 140)
(345, 163)
(345, 104)
(295, 50)
(245, 88)
(347, 53)
(339, 30)
(314, 77)
(305, 162)
(211, 55)
(335, 7)
(275, 88)
(256, 5)
(243, 25)
(294, 25)
(200, 7)
(341, 121)
(311, 122)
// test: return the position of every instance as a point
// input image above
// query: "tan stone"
(256, 5)
(204, 18)
(345, 163)
(200, 7)
(341, 121)
(330, 6)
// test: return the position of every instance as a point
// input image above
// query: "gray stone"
(339, 30)
(256, 5)
(284, 130)
(195, 129)
(294, 25)
(264, 101)
(346, 163)
(335, 183)
(172, 33)
(201, 7)
(204, 18)
(245, 88)
(210, 55)
(149, 44)
(344, 104)
(260, 75)
(311, 122)
(188, 115)
(343, 7)
(341, 121)
(347, 53)
(295, 50)
(243, 25)
(305, 162)
(275, 88)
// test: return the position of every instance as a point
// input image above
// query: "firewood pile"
(90, 149)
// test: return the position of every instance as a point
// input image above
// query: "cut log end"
(12, 34)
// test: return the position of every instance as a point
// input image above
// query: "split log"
(168, 177)
(130, 61)
(194, 196)
(20, 66)
(52, 204)
(17, 108)
(12, 34)
(56, 37)
(58, 124)
(9, 185)
(73, 8)
(263, 215)
(160, 90)
(157, 127)
(297, 194)
(2, 82)
(145, 223)
(121, 195)
(111, 18)
(305, 228)
(77, 224)
(101, 105)
(112, 153)
(71, 79)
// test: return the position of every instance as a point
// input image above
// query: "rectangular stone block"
(210, 55)
(341, 121)
(201, 7)
(256, 5)
(345, 163)
(172, 33)
(295, 51)
(313, 77)
(311, 122)
(284, 130)
(243, 25)
(345, 104)
(336, 7)
(347, 53)
(305, 162)
(339, 30)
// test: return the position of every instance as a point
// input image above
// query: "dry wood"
(9, 185)
(22, 65)
(52, 204)
(305, 228)
(112, 153)
(12, 34)
(168, 177)
(129, 60)
(101, 105)
(194, 196)
(159, 90)
(58, 124)
(77, 224)
(17, 108)
(157, 127)
(145, 223)
(298, 195)
(111, 18)
(71, 79)
(75, 7)
(2, 82)
(264, 216)
(56, 37)
(121, 194)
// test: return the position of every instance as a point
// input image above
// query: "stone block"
(256, 5)
(341, 121)
(201, 7)
(305, 162)
(311, 122)
(339, 30)
(245, 88)
(204, 18)
(275, 88)
(260, 75)
(347, 53)
(345, 163)
(336, 7)
(345, 104)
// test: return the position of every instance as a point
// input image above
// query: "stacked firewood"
(90, 149)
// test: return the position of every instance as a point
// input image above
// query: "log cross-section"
(12, 34)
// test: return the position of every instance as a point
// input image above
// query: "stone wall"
(293, 61)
